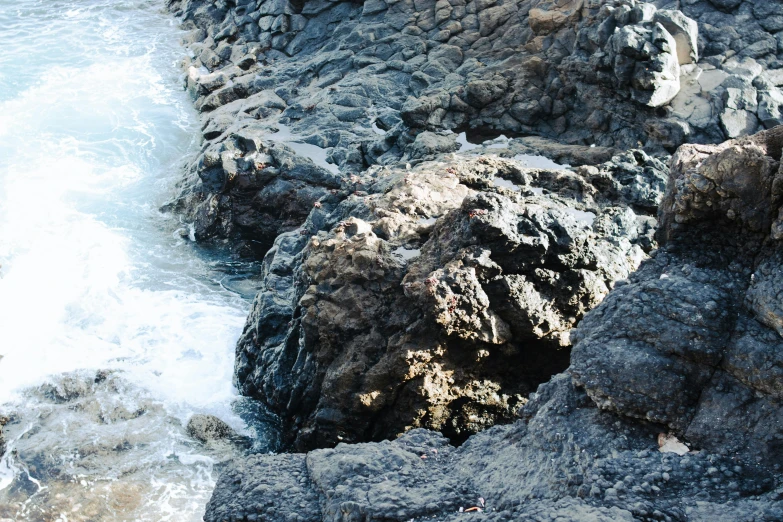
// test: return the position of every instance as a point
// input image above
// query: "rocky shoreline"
(688, 346)
(429, 262)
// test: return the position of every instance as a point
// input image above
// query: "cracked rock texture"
(439, 298)
(3, 422)
(353, 84)
(687, 347)
(424, 269)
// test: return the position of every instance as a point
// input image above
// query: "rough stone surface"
(696, 332)
(439, 296)
(72, 432)
(355, 85)
(3, 422)
(406, 286)
(208, 428)
(564, 460)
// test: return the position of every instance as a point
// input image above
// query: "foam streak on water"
(93, 129)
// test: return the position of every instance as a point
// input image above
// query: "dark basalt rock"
(3, 422)
(696, 332)
(688, 347)
(441, 298)
(564, 460)
(378, 83)
(252, 190)
(407, 287)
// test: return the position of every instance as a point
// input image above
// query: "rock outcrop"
(3, 422)
(439, 296)
(352, 85)
(415, 280)
(687, 349)
(696, 332)
(564, 460)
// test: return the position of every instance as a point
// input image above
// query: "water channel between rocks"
(114, 327)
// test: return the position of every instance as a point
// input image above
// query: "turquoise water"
(94, 129)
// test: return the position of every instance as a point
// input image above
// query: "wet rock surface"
(438, 296)
(421, 271)
(669, 411)
(96, 431)
(210, 429)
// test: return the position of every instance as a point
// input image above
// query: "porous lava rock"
(564, 459)
(670, 410)
(356, 84)
(693, 340)
(438, 296)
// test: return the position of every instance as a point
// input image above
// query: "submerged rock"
(96, 431)
(441, 298)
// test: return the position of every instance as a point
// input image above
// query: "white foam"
(93, 128)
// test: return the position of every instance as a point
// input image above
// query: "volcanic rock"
(442, 297)
(696, 332)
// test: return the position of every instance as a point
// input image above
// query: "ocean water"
(114, 327)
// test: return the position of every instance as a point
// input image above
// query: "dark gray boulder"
(439, 296)
(208, 428)
(564, 460)
(251, 190)
(693, 340)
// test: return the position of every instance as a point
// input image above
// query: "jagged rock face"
(439, 297)
(254, 190)
(381, 82)
(565, 460)
(3, 422)
(693, 341)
